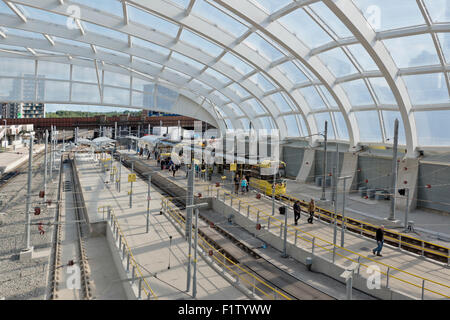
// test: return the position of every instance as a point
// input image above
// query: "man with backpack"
(297, 210)
(380, 240)
(311, 210)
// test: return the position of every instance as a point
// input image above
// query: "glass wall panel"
(57, 91)
(281, 103)
(142, 85)
(114, 7)
(439, 10)
(362, 57)
(245, 123)
(149, 45)
(235, 109)
(149, 20)
(382, 91)
(116, 96)
(216, 16)
(171, 94)
(240, 91)
(358, 93)
(304, 28)
(389, 123)
(220, 77)
(292, 72)
(116, 79)
(266, 122)
(320, 120)
(164, 103)
(188, 61)
(106, 32)
(51, 70)
(388, 14)
(339, 64)
(143, 99)
(84, 74)
(16, 67)
(200, 43)
(330, 19)
(341, 126)
(427, 88)
(43, 15)
(236, 63)
(7, 91)
(263, 47)
(369, 126)
(293, 129)
(444, 39)
(254, 105)
(261, 81)
(331, 102)
(85, 93)
(271, 6)
(413, 51)
(432, 127)
(313, 98)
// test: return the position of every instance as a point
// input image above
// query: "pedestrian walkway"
(407, 272)
(162, 261)
(430, 226)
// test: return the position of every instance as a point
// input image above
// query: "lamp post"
(324, 175)
(343, 209)
(394, 173)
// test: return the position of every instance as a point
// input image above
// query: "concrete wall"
(130, 291)
(438, 177)
(331, 162)
(293, 157)
(376, 170)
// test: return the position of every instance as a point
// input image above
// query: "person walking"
(380, 240)
(247, 177)
(236, 184)
(297, 210)
(244, 184)
(311, 210)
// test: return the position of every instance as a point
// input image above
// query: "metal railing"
(126, 253)
(240, 274)
(270, 222)
(362, 228)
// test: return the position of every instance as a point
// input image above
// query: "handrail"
(132, 259)
(171, 209)
(230, 193)
(344, 249)
(318, 209)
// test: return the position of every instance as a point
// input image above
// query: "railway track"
(8, 177)
(234, 249)
(69, 247)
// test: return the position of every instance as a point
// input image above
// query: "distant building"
(10, 110)
(24, 90)
(22, 110)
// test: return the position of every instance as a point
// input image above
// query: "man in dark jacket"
(297, 210)
(380, 240)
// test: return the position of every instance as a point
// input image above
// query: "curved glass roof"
(289, 65)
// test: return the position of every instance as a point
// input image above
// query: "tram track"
(232, 248)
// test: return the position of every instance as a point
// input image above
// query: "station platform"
(154, 251)
(429, 225)
(412, 275)
(10, 160)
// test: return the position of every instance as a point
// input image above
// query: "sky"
(86, 108)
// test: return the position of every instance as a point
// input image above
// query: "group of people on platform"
(241, 182)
